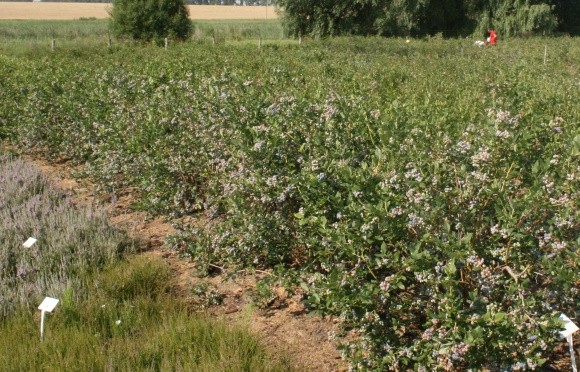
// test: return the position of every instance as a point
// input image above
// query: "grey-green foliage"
(401, 17)
(378, 17)
(150, 20)
(71, 242)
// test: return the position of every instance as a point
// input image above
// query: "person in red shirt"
(492, 38)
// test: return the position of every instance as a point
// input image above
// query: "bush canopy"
(150, 20)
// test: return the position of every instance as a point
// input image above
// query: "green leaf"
(498, 317)
(383, 247)
(450, 268)
(467, 238)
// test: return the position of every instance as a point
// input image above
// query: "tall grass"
(40, 29)
(237, 30)
(31, 37)
(34, 36)
(130, 322)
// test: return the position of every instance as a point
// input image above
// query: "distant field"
(54, 11)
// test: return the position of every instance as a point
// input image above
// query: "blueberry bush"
(425, 193)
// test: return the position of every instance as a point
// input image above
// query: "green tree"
(512, 18)
(380, 17)
(419, 17)
(402, 17)
(150, 20)
(328, 17)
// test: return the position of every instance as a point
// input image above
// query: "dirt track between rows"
(70, 11)
(284, 327)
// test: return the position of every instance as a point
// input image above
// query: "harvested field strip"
(52, 11)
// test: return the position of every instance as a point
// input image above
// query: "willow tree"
(519, 17)
(328, 17)
(416, 17)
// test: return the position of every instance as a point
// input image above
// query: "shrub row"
(426, 192)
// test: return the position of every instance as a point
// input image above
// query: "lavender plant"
(71, 242)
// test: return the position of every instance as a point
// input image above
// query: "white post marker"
(569, 329)
(29, 243)
(47, 305)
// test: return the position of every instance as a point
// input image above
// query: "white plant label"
(569, 327)
(48, 304)
(29, 243)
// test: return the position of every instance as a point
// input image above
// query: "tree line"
(429, 17)
(449, 18)
(189, 2)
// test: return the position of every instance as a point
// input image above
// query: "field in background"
(62, 11)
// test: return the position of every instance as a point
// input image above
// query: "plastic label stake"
(569, 329)
(47, 305)
(29, 243)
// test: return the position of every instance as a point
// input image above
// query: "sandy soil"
(55, 11)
